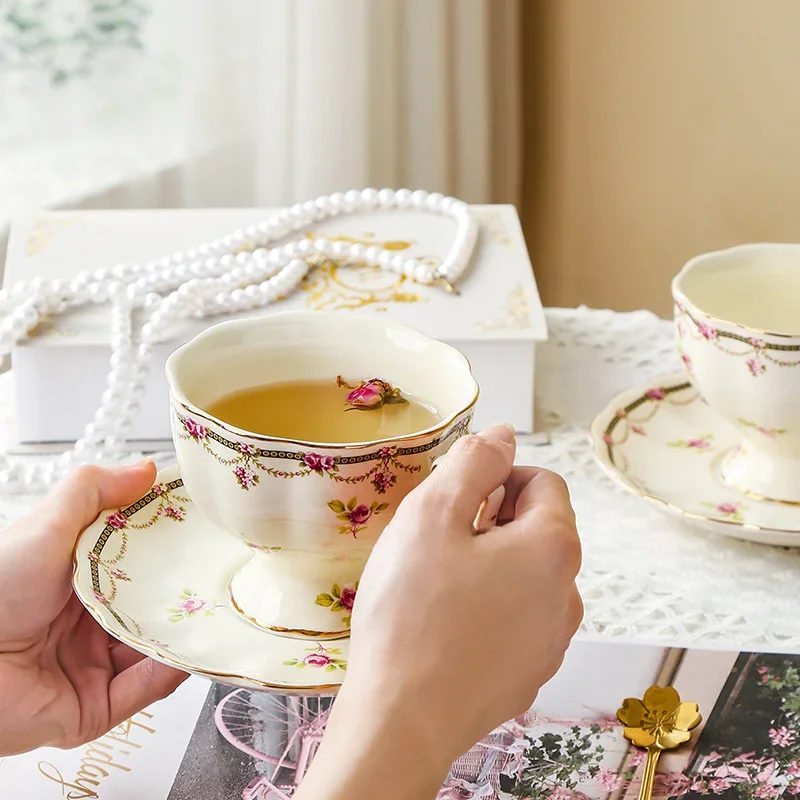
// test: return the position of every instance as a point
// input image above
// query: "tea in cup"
(737, 313)
(301, 432)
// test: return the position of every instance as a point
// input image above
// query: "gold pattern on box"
(44, 229)
(493, 227)
(517, 314)
(334, 286)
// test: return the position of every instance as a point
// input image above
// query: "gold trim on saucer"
(299, 633)
(599, 429)
(726, 458)
(124, 634)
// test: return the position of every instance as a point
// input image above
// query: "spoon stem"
(649, 776)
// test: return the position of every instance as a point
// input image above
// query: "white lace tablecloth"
(645, 576)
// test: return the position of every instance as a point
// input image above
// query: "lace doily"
(646, 576)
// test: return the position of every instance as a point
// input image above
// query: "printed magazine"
(210, 741)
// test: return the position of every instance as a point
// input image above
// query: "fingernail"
(145, 462)
(505, 426)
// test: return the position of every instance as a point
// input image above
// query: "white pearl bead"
(419, 198)
(369, 197)
(402, 198)
(336, 201)
(424, 273)
(340, 248)
(385, 258)
(409, 266)
(434, 201)
(386, 198)
(396, 264)
(322, 246)
(356, 252)
(309, 208)
(352, 199)
(322, 204)
(371, 255)
(304, 246)
(446, 206)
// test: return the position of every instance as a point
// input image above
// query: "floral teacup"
(310, 511)
(738, 323)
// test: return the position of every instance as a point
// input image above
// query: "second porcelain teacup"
(310, 511)
(738, 321)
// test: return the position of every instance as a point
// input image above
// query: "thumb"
(76, 501)
(473, 468)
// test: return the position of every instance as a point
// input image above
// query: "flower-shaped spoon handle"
(657, 722)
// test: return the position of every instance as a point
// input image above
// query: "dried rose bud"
(371, 394)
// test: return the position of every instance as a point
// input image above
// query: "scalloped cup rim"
(696, 262)
(213, 330)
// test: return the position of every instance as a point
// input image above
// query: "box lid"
(498, 299)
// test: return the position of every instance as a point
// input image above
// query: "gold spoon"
(657, 722)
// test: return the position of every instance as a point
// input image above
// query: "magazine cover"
(209, 741)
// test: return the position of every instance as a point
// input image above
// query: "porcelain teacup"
(737, 313)
(309, 511)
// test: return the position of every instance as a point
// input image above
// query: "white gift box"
(60, 372)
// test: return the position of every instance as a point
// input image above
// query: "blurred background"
(630, 135)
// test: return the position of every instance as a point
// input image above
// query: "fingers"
(529, 488)
(139, 686)
(489, 510)
(123, 656)
(83, 494)
(473, 468)
(537, 513)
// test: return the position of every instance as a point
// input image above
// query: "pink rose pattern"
(320, 657)
(755, 351)
(355, 515)
(340, 598)
(161, 501)
(698, 444)
(318, 463)
(249, 462)
(728, 510)
(188, 605)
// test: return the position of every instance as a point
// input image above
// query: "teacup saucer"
(662, 442)
(155, 575)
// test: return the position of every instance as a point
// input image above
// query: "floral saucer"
(662, 442)
(155, 575)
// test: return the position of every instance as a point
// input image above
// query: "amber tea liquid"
(317, 411)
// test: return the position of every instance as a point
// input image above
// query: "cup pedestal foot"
(296, 595)
(762, 476)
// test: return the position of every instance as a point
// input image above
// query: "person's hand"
(63, 680)
(454, 632)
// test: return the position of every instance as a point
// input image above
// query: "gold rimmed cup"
(737, 313)
(309, 511)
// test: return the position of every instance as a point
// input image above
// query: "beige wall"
(655, 130)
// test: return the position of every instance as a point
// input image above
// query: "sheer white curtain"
(266, 102)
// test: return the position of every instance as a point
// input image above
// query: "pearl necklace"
(219, 277)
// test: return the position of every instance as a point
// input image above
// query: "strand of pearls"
(235, 273)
